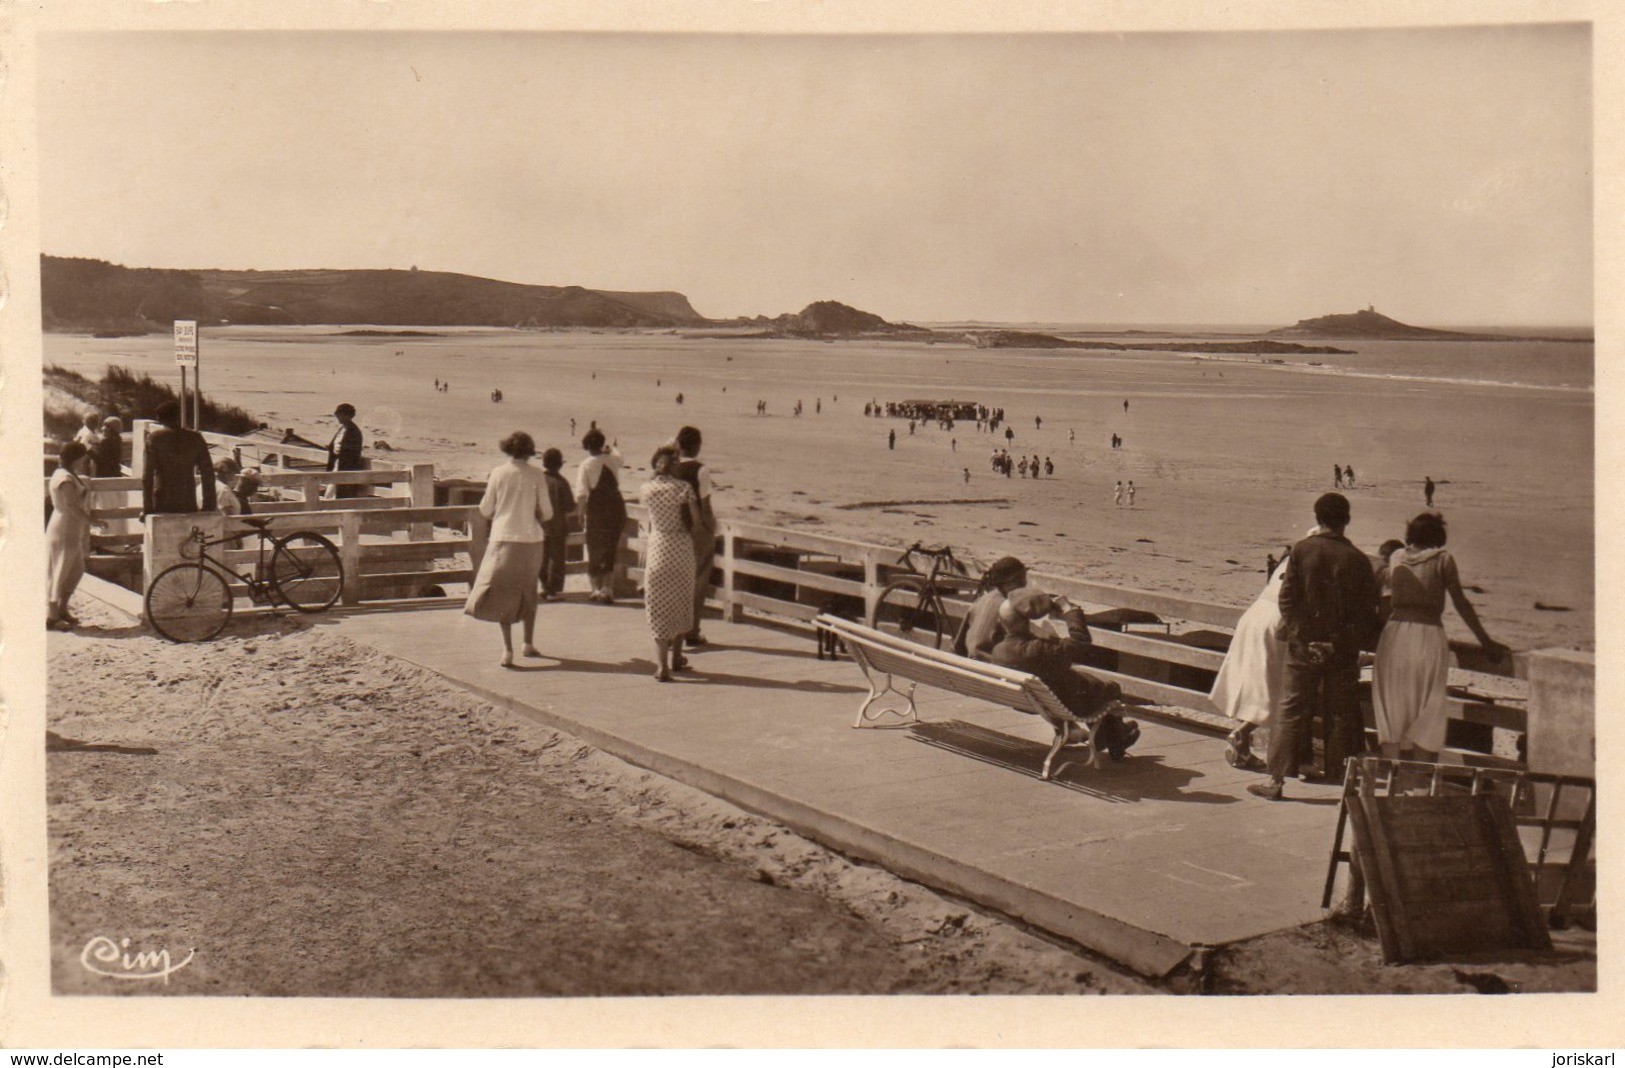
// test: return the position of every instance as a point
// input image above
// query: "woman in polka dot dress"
(668, 576)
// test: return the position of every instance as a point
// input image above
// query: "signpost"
(186, 356)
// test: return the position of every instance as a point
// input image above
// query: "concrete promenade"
(1142, 861)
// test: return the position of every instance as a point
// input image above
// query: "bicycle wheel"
(305, 572)
(906, 609)
(188, 603)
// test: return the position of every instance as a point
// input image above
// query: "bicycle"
(911, 606)
(193, 601)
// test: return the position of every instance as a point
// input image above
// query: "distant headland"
(109, 300)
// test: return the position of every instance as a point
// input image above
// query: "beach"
(1227, 455)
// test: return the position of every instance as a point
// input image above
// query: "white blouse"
(516, 502)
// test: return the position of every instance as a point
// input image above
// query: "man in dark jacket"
(1328, 614)
(344, 451)
(176, 459)
(1051, 659)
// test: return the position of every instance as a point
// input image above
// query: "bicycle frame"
(259, 588)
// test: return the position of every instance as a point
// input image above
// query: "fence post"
(479, 535)
(350, 555)
(871, 582)
(312, 487)
(422, 489)
(619, 582)
(167, 534)
(732, 611)
(138, 446)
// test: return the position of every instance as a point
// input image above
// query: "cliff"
(82, 294)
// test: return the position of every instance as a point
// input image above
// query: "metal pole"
(197, 384)
(184, 408)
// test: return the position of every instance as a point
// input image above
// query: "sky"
(1442, 175)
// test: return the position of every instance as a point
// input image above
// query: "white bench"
(885, 660)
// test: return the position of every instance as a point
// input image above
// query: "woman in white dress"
(668, 569)
(516, 502)
(67, 535)
(1248, 686)
(1408, 688)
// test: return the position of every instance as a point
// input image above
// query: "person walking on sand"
(1049, 467)
(704, 528)
(891, 438)
(1408, 683)
(1348, 476)
(67, 534)
(344, 451)
(1071, 437)
(177, 459)
(603, 513)
(517, 503)
(1337, 476)
(668, 576)
(1328, 614)
(1427, 490)
(1117, 495)
(1009, 435)
(1038, 422)
(1125, 406)
(967, 476)
(556, 531)
(1129, 490)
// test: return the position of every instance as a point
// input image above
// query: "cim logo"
(103, 956)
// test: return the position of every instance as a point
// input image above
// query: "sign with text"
(186, 342)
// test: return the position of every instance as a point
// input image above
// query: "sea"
(1554, 357)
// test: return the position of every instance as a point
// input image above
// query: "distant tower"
(1369, 307)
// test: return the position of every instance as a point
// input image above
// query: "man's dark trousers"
(1333, 693)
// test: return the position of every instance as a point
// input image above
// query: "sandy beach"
(1227, 456)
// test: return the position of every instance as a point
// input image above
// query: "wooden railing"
(397, 545)
(793, 575)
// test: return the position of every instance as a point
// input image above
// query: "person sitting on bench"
(1051, 660)
(979, 631)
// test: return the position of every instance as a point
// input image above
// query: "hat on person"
(1026, 603)
(1004, 569)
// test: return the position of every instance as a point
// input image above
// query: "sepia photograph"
(550, 534)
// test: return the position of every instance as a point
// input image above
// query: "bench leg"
(868, 714)
(1063, 736)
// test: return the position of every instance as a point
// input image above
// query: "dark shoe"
(679, 663)
(1269, 791)
(1238, 753)
(662, 675)
(696, 640)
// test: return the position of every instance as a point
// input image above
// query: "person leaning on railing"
(177, 459)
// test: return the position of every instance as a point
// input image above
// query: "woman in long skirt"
(603, 513)
(668, 574)
(516, 503)
(1408, 689)
(1248, 686)
(67, 535)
